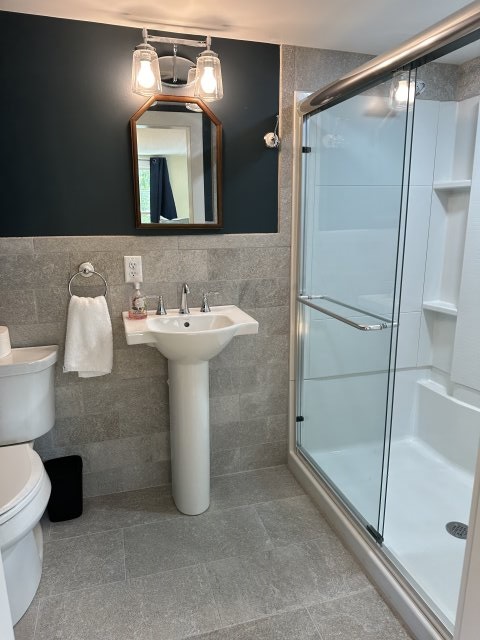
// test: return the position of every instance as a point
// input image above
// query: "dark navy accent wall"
(65, 159)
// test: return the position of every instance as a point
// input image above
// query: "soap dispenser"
(138, 304)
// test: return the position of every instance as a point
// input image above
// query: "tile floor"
(260, 564)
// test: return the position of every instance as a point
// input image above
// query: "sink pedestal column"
(190, 435)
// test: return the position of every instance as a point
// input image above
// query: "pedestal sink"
(189, 342)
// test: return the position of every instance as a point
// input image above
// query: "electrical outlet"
(133, 268)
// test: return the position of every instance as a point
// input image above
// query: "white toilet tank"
(27, 401)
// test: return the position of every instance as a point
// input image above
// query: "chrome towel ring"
(86, 270)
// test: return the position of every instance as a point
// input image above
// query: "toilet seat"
(21, 475)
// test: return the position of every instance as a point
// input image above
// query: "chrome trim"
(184, 299)
(385, 323)
(205, 308)
(161, 308)
(86, 270)
(176, 41)
(424, 47)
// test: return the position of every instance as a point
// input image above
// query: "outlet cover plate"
(133, 268)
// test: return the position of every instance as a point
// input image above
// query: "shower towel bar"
(384, 324)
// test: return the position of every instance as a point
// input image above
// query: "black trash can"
(66, 499)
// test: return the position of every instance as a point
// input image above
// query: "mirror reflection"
(177, 163)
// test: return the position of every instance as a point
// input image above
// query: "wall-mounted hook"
(272, 141)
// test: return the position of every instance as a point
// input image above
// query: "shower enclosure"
(387, 366)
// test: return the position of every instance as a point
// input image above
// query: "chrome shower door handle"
(384, 324)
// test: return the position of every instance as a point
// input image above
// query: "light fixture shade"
(208, 80)
(146, 79)
(190, 87)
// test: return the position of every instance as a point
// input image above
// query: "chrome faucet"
(161, 308)
(205, 308)
(184, 302)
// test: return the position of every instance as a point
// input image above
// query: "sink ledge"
(137, 331)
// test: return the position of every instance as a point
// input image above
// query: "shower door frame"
(385, 574)
(339, 512)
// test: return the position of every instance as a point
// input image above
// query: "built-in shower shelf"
(440, 306)
(453, 185)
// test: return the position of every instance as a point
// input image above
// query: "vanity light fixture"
(146, 78)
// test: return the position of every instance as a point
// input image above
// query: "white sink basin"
(189, 341)
(193, 337)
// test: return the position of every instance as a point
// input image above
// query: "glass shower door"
(353, 218)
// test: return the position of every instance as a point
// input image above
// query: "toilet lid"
(20, 472)
(28, 360)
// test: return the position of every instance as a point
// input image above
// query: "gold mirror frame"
(218, 165)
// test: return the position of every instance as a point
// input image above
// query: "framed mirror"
(177, 164)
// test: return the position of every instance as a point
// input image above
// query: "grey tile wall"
(469, 80)
(119, 423)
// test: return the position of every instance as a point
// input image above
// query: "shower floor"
(425, 491)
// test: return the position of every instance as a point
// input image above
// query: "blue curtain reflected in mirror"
(162, 203)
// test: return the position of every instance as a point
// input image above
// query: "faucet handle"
(205, 308)
(161, 308)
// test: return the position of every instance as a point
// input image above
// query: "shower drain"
(457, 529)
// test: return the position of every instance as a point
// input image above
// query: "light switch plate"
(133, 268)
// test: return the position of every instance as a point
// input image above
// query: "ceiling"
(371, 26)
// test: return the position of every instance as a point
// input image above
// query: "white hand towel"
(89, 340)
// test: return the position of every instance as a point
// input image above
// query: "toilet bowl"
(27, 411)
(24, 493)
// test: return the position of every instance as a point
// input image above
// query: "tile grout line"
(307, 609)
(227, 475)
(87, 533)
(254, 444)
(267, 616)
(216, 512)
(37, 614)
(344, 596)
(263, 526)
(124, 556)
(300, 495)
(168, 518)
(236, 473)
(210, 588)
(234, 557)
(89, 587)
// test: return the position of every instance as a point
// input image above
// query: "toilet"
(27, 411)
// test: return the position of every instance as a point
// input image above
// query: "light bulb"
(208, 81)
(403, 93)
(146, 77)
